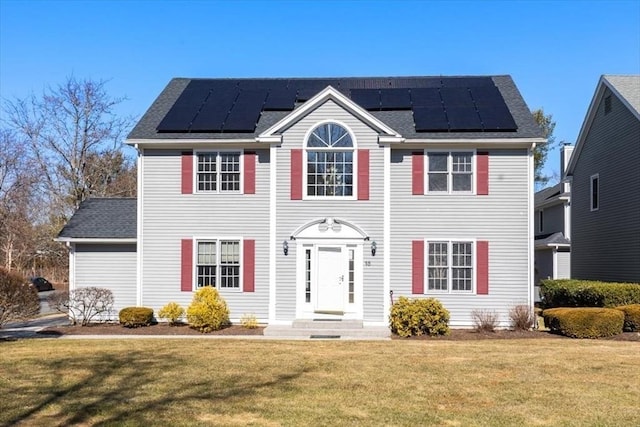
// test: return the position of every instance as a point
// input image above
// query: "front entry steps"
(327, 329)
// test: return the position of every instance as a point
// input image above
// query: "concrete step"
(326, 324)
(368, 332)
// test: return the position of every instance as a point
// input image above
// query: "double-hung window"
(218, 264)
(450, 266)
(330, 162)
(218, 171)
(450, 172)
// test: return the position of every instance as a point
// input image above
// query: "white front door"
(332, 279)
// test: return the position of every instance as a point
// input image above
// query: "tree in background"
(547, 124)
(56, 150)
(76, 140)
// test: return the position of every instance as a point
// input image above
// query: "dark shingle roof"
(551, 239)
(400, 120)
(107, 218)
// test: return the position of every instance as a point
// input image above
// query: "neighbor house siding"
(564, 265)
(605, 243)
(366, 214)
(500, 218)
(170, 217)
(553, 220)
(111, 266)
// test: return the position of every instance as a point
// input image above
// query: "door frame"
(306, 302)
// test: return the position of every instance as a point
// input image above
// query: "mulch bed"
(155, 329)
(164, 329)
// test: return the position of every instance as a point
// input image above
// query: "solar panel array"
(455, 104)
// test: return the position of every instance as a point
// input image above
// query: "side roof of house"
(626, 88)
(102, 218)
(462, 98)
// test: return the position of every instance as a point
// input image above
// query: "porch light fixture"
(285, 247)
(374, 247)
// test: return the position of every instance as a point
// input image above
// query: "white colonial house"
(307, 200)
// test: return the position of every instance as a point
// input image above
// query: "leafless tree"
(71, 129)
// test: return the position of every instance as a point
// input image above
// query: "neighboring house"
(605, 185)
(319, 199)
(552, 228)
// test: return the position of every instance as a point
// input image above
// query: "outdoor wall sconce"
(285, 247)
(374, 247)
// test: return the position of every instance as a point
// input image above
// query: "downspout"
(530, 233)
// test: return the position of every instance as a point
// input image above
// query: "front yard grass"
(270, 383)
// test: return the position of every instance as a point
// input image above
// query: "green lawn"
(268, 383)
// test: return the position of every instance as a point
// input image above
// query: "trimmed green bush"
(631, 317)
(420, 316)
(172, 312)
(584, 293)
(584, 322)
(208, 310)
(134, 317)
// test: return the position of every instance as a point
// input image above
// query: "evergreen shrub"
(420, 316)
(584, 322)
(134, 317)
(208, 310)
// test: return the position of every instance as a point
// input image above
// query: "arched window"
(330, 161)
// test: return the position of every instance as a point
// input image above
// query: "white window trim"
(593, 178)
(354, 193)
(218, 183)
(217, 239)
(474, 267)
(474, 172)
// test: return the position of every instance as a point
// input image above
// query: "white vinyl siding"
(368, 215)
(169, 217)
(500, 218)
(111, 266)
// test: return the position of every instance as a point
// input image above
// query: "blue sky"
(554, 50)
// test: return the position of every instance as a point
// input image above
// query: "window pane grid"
(229, 264)
(450, 266)
(450, 172)
(207, 172)
(218, 168)
(307, 292)
(437, 266)
(330, 162)
(461, 267)
(351, 277)
(218, 262)
(329, 173)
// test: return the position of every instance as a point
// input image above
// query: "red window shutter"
(296, 174)
(186, 266)
(417, 172)
(363, 174)
(249, 172)
(187, 172)
(248, 266)
(417, 267)
(482, 267)
(482, 164)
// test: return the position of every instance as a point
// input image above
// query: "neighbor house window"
(450, 172)
(540, 221)
(595, 192)
(218, 172)
(450, 266)
(607, 104)
(218, 264)
(330, 151)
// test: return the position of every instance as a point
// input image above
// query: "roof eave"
(107, 240)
